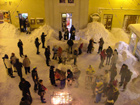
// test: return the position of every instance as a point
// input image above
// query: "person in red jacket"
(102, 56)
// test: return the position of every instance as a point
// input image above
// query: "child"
(90, 71)
(41, 91)
(69, 77)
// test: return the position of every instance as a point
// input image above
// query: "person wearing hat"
(99, 91)
(52, 76)
(35, 78)
(43, 39)
(24, 87)
(26, 64)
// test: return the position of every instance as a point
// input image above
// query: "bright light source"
(59, 98)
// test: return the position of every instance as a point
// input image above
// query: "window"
(62, 1)
(70, 1)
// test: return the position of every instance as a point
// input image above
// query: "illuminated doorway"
(66, 21)
(23, 19)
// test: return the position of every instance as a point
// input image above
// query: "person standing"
(8, 65)
(20, 46)
(70, 44)
(109, 53)
(69, 77)
(52, 76)
(80, 49)
(62, 79)
(66, 34)
(24, 87)
(37, 45)
(72, 35)
(113, 73)
(59, 53)
(35, 78)
(41, 91)
(101, 43)
(76, 75)
(72, 29)
(47, 55)
(114, 58)
(55, 49)
(43, 39)
(26, 64)
(13, 60)
(75, 54)
(90, 45)
(18, 66)
(60, 35)
(102, 56)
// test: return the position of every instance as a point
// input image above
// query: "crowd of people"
(105, 84)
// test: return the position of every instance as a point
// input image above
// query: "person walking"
(26, 64)
(90, 45)
(35, 78)
(60, 35)
(37, 45)
(69, 77)
(59, 54)
(43, 39)
(20, 46)
(75, 54)
(113, 73)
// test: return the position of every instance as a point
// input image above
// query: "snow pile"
(120, 35)
(7, 29)
(125, 55)
(94, 30)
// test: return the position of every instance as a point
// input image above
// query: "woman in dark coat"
(37, 45)
(52, 76)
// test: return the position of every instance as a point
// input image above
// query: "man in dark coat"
(24, 87)
(47, 55)
(52, 76)
(72, 35)
(60, 35)
(70, 44)
(18, 66)
(101, 43)
(127, 78)
(20, 46)
(26, 100)
(72, 29)
(43, 39)
(109, 53)
(90, 45)
(35, 78)
(37, 45)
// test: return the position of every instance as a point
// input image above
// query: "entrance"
(23, 20)
(66, 21)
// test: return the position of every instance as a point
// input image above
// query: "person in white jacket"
(26, 64)
(8, 65)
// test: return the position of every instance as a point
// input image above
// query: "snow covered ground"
(9, 90)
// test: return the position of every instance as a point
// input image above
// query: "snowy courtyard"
(10, 93)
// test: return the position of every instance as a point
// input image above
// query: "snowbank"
(7, 29)
(125, 55)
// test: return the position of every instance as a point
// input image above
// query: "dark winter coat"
(72, 29)
(43, 37)
(70, 42)
(123, 70)
(66, 35)
(24, 87)
(72, 36)
(113, 73)
(52, 72)
(109, 52)
(41, 89)
(101, 42)
(128, 75)
(37, 42)
(18, 66)
(26, 62)
(60, 35)
(20, 44)
(70, 74)
(47, 53)
(34, 75)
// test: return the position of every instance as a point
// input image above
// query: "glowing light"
(61, 98)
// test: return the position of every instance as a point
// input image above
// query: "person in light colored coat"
(114, 58)
(26, 64)
(13, 60)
